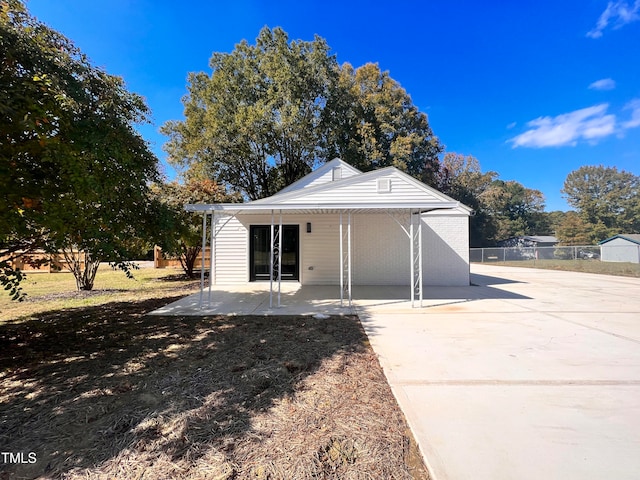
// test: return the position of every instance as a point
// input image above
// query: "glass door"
(260, 252)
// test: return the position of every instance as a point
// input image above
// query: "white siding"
(380, 249)
(232, 253)
(367, 192)
(620, 250)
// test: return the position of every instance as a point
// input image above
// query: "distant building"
(529, 241)
(621, 248)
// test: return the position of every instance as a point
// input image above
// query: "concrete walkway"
(533, 374)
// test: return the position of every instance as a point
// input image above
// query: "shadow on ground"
(78, 387)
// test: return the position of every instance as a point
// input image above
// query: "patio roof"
(307, 208)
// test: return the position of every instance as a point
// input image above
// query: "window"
(336, 173)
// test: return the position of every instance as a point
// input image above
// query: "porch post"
(341, 262)
(279, 257)
(349, 253)
(202, 262)
(420, 254)
(211, 254)
(271, 266)
(411, 242)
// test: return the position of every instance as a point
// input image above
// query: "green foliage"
(371, 123)
(502, 209)
(74, 173)
(254, 122)
(270, 112)
(184, 239)
(607, 201)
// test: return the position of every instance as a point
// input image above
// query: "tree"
(371, 122)
(74, 173)
(254, 122)
(461, 178)
(515, 209)
(185, 240)
(573, 230)
(607, 200)
(270, 112)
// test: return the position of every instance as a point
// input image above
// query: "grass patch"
(622, 269)
(57, 291)
(102, 390)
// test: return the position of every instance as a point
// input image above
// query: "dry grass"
(105, 391)
(622, 269)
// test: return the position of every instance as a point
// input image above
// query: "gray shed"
(621, 248)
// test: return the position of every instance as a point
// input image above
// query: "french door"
(260, 252)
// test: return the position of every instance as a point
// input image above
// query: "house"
(529, 241)
(340, 226)
(621, 248)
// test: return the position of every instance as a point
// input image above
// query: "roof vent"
(384, 185)
(336, 173)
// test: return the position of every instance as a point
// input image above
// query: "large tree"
(371, 122)
(607, 200)
(268, 113)
(461, 178)
(515, 209)
(186, 234)
(74, 172)
(254, 122)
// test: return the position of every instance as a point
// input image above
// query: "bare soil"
(107, 391)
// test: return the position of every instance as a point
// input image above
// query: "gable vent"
(336, 173)
(384, 185)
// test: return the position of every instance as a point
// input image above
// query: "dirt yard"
(105, 391)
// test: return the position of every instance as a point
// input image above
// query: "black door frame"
(292, 228)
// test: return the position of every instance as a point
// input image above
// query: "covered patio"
(408, 218)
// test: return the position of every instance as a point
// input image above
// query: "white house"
(343, 227)
(621, 248)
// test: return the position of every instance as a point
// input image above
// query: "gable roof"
(322, 174)
(631, 237)
(383, 189)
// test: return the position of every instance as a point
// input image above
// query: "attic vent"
(337, 173)
(384, 185)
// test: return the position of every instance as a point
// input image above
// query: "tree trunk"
(188, 259)
(83, 266)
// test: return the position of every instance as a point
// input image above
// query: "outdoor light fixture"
(308, 227)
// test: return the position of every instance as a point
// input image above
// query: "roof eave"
(249, 207)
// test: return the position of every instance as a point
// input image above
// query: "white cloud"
(604, 84)
(634, 106)
(589, 124)
(511, 125)
(620, 13)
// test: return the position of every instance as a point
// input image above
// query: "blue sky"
(533, 90)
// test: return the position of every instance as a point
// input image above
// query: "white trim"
(306, 207)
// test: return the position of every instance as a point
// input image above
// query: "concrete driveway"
(532, 374)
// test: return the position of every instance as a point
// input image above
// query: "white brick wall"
(445, 254)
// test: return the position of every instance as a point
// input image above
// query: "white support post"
(341, 262)
(211, 255)
(349, 253)
(271, 265)
(420, 254)
(202, 263)
(279, 257)
(412, 258)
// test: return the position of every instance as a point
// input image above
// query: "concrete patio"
(528, 374)
(253, 299)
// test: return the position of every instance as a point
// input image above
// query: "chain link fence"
(618, 253)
